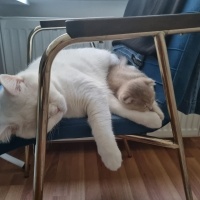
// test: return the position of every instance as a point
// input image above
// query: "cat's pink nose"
(150, 108)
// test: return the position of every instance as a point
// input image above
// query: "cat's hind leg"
(149, 119)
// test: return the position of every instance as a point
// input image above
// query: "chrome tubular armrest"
(53, 23)
(44, 25)
(170, 24)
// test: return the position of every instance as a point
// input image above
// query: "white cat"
(78, 88)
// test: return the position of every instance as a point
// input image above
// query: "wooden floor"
(74, 171)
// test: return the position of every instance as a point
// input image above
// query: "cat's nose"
(150, 108)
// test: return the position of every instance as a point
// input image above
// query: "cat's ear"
(12, 84)
(150, 82)
(127, 99)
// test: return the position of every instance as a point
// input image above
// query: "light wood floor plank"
(92, 184)
(171, 169)
(15, 192)
(74, 171)
(136, 182)
(156, 180)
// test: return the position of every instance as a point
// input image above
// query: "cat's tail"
(114, 60)
(119, 61)
(122, 61)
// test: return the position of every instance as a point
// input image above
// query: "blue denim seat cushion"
(15, 143)
(78, 128)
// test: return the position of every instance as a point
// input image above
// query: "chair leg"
(27, 161)
(171, 102)
(30, 43)
(127, 147)
(184, 171)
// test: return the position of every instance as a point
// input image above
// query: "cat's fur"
(133, 88)
(78, 88)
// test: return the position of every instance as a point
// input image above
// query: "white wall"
(14, 14)
(65, 8)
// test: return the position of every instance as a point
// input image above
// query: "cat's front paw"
(157, 109)
(160, 114)
(112, 160)
(152, 120)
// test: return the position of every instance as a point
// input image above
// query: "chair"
(179, 48)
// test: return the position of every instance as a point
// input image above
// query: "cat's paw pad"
(153, 120)
(112, 160)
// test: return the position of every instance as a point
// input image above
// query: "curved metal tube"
(29, 59)
(42, 112)
(164, 66)
(30, 43)
(31, 36)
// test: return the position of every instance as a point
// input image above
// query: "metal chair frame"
(31, 37)
(43, 95)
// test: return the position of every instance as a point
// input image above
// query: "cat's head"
(138, 94)
(18, 104)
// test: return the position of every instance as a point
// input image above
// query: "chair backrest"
(184, 56)
(145, 45)
(184, 52)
